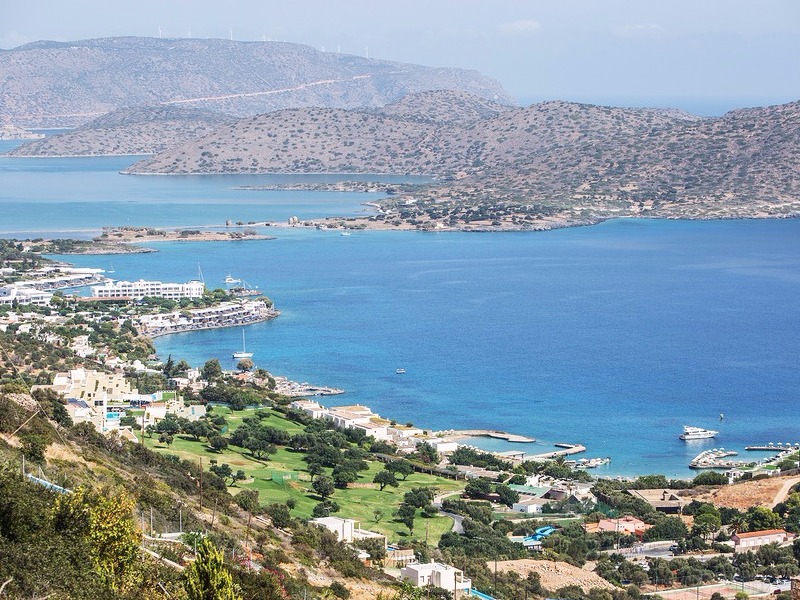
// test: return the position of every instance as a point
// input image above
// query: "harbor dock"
(773, 447)
(566, 450)
(715, 459)
(492, 433)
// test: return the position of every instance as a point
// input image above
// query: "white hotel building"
(152, 289)
(22, 295)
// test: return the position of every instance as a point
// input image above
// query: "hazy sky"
(657, 52)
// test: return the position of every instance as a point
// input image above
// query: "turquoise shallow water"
(614, 336)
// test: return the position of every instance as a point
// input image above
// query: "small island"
(194, 234)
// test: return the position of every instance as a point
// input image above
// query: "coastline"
(126, 239)
(617, 466)
(246, 312)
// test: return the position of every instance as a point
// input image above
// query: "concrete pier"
(566, 450)
(492, 433)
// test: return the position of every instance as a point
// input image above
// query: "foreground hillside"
(546, 165)
(54, 84)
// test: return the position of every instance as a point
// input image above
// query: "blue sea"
(614, 336)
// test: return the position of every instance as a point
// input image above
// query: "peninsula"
(549, 165)
(129, 234)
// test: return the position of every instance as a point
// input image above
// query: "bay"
(76, 197)
(614, 336)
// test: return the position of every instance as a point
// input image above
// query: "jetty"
(500, 435)
(715, 459)
(565, 450)
(294, 389)
(772, 447)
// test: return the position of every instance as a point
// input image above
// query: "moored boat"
(244, 353)
(697, 433)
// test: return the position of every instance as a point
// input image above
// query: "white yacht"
(244, 353)
(697, 433)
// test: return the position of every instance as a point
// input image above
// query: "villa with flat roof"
(439, 575)
(347, 530)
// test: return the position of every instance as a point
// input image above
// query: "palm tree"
(738, 524)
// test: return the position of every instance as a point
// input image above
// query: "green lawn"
(359, 503)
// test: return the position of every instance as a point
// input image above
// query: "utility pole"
(494, 588)
(201, 483)
(151, 520)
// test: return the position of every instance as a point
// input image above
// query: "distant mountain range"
(55, 84)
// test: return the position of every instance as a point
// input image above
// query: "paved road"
(458, 521)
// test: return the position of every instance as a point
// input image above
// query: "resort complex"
(151, 289)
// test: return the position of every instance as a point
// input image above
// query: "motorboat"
(697, 433)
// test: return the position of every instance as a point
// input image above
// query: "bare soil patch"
(744, 495)
(555, 575)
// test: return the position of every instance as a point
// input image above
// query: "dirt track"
(763, 492)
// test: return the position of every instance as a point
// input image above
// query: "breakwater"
(500, 435)
(565, 450)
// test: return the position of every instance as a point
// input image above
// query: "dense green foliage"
(84, 545)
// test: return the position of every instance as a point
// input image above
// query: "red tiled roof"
(752, 534)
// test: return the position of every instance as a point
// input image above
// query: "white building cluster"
(24, 295)
(103, 398)
(59, 277)
(356, 416)
(540, 491)
(226, 314)
(137, 290)
(421, 575)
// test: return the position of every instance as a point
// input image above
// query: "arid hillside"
(145, 130)
(65, 84)
(547, 165)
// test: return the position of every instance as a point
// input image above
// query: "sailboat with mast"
(244, 353)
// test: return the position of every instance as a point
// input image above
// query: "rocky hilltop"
(49, 84)
(143, 130)
(546, 165)
(442, 106)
